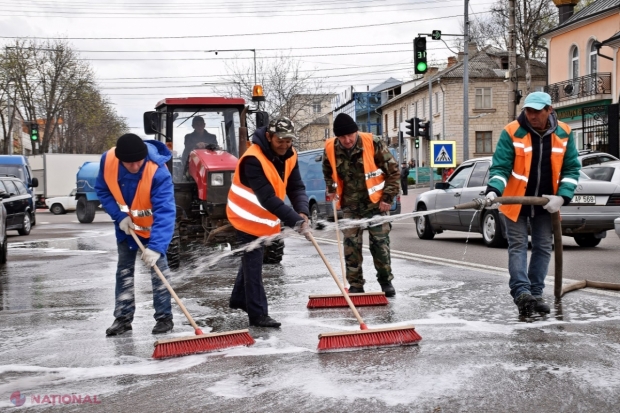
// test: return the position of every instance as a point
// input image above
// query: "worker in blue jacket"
(135, 188)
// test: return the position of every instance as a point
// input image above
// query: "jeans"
(524, 279)
(248, 292)
(125, 306)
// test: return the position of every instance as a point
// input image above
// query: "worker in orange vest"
(135, 189)
(266, 173)
(363, 176)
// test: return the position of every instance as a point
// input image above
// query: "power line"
(365, 27)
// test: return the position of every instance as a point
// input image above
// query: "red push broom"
(338, 300)
(200, 343)
(394, 336)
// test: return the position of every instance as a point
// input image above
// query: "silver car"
(587, 218)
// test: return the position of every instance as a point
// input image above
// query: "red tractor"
(202, 177)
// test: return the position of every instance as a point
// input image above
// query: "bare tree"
(289, 91)
(47, 76)
(533, 17)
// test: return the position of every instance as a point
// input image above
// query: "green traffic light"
(422, 67)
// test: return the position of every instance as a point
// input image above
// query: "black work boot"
(119, 326)
(354, 290)
(264, 321)
(388, 289)
(526, 304)
(164, 325)
(541, 306)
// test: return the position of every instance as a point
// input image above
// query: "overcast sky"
(356, 43)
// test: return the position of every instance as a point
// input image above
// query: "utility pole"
(466, 84)
(431, 182)
(512, 62)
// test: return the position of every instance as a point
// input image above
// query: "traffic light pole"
(431, 181)
(466, 84)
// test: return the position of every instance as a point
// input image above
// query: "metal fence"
(594, 84)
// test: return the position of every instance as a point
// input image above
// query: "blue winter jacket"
(162, 198)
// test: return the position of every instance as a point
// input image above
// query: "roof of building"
(594, 8)
(613, 38)
(388, 84)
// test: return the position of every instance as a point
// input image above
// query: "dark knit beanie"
(344, 125)
(130, 148)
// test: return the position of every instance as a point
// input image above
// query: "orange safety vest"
(140, 212)
(517, 182)
(243, 209)
(375, 180)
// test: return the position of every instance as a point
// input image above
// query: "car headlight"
(217, 179)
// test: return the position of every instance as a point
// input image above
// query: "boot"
(354, 290)
(264, 321)
(164, 325)
(541, 306)
(388, 289)
(119, 326)
(526, 304)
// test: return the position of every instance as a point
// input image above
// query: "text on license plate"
(583, 199)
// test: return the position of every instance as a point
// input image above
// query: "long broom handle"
(340, 252)
(163, 280)
(335, 277)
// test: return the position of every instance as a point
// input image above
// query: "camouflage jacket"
(350, 167)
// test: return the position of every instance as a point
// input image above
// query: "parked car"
(61, 204)
(617, 226)
(311, 170)
(588, 157)
(17, 166)
(4, 241)
(587, 218)
(17, 201)
(609, 171)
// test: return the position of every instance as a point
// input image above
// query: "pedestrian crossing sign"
(443, 154)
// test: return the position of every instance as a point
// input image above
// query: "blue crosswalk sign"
(443, 154)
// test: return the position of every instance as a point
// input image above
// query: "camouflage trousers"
(379, 236)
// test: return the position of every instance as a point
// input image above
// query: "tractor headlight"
(217, 179)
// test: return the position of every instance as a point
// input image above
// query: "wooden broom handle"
(340, 252)
(163, 280)
(335, 277)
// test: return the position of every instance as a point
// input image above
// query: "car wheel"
(587, 240)
(26, 225)
(85, 210)
(3, 250)
(57, 209)
(423, 226)
(492, 231)
(314, 215)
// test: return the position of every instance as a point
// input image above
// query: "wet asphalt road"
(476, 354)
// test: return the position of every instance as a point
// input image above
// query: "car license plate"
(583, 199)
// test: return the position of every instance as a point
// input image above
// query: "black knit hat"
(344, 125)
(130, 148)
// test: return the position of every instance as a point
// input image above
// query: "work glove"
(150, 257)
(125, 224)
(304, 229)
(554, 204)
(490, 199)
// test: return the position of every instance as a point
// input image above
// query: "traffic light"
(417, 143)
(419, 55)
(34, 132)
(423, 130)
(411, 126)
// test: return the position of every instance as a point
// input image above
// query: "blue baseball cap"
(537, 100)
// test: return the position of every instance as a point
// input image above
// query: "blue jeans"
(248, 292)
(524, 279)
(125, 306)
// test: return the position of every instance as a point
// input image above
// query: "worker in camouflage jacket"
(363, 177)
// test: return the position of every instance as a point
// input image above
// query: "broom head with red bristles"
(337, 300)
(379, 337)
(201, 343)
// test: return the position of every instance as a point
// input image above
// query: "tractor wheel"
(174, 251)
(85, 210)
